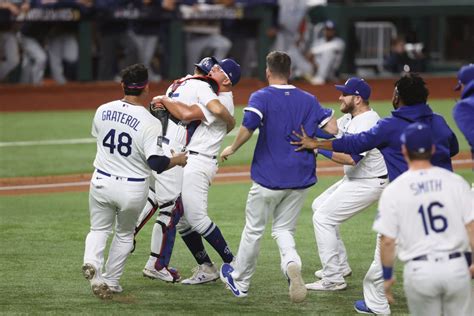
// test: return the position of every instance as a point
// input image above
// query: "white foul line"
(219, 175)
(73, 141)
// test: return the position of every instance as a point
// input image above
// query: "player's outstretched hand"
(387, 285)
(305, 142)
(226, 153)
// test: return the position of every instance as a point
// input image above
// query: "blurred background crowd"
(86, 40)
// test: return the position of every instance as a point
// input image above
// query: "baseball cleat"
(322, 285)
(226, 277)
(115, 288)
(297, 290)
(203, 273)
(166, 274)
(362, 308)
(346, 273)
(98, 286)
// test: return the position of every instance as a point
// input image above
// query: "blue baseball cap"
(206, 64)
(417, 137)
(329, 24)
(355, 86)
(231, 69)
(465, 75)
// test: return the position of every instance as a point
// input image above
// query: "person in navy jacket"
(463, 111)
(409, 101)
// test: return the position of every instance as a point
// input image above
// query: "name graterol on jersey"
(120, 117)
(434, 185)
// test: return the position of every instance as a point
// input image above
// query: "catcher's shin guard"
(164, 232)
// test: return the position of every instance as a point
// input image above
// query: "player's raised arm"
(219, 110)
(180, 110)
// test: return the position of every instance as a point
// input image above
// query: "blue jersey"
(277, 111)
(463, 114)
(385, 136)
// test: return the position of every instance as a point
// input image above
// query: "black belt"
(191, 152)
(450, 256)
(385, 176)
(117, 177)
(177, 121)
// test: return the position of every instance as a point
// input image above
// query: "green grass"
(42, 242)
(37, 160)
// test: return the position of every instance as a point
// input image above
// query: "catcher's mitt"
(162, 114)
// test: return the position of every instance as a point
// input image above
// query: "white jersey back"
(373, 164)
(209, 134)
(127, 135)
(426, 211)
(191, 91)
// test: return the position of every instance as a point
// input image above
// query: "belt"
(450, 256)
(177, 121)
(385, 176)
(191, 152)
(117, 178)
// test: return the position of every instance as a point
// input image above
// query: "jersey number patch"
(435, 223)
(124, 143)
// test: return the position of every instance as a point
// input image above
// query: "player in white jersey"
(190, 90)
(428, 211)
(201, 169)
(364, 180)
(127, 149)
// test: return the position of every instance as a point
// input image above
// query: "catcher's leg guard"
(164, 232)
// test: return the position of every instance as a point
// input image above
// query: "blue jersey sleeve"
(463, 114)
(362, 142)
(254, 113)
(323, 114)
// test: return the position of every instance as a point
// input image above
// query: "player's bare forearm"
(242, 137)
(387, 251)
(181, 110)
(331, 126)
(221, 112)
(343, 159)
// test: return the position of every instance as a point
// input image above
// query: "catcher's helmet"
(206, 64)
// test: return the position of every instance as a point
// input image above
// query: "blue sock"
(195, 245)
(217, 241)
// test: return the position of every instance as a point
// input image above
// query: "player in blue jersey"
(281, 177)
(409, 101)
(463, 111)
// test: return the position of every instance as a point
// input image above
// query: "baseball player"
(201, 169)
(429, 212)
(409, 101)
(463, 111)
(364, 180)
(127, 149)
(276, 110)
(167, 196)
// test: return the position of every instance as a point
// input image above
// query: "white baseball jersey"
(127, 135)
(209, 134)
(373, 164)
(192, 91)
(426, 211)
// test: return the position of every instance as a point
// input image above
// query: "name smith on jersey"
(433, 185)
(120, 117)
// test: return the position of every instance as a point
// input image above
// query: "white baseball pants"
(262, 203)
(338, 203)
(112, 201)
(197, 178)
(374, 293)
(441, 287)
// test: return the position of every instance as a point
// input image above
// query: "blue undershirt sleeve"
(158, 163)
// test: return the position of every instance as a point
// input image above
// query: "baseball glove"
(162, 114)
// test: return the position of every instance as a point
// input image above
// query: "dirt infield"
(76, 96)
(80, 182)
